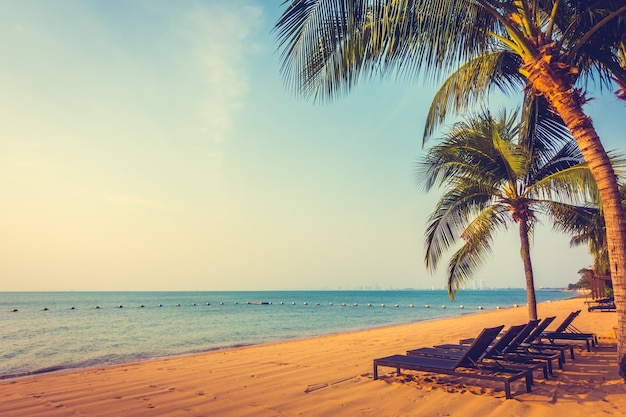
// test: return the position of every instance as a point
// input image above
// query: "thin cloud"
(222, 39)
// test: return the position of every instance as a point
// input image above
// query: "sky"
(152, 145)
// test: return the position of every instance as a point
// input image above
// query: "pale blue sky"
(151, 145)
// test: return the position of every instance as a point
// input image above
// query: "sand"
(332, 375)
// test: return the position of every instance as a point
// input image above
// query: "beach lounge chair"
(603, 307)
(515, 351)
(605, 300)
(533, 341)
(467, 365)
(604, 304)
(567, 331)
(495, 352)
(498, 345)
(509, 348)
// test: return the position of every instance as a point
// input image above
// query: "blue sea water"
(49, 331)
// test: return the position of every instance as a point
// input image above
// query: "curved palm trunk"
(552, 81)
(528, 269)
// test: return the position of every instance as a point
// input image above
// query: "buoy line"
(293, 303)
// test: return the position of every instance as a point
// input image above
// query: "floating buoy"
(410, 305)
(426, 306)
(45, 309)
(15, 310)
(221, 303)
(461, 306)
(121, 306)
(515, 305)
(97, 307)
(178, 305)
(281, 303)
(306, 304)
(317, 304)
(160, 305)
(237, 302)
(382, 305)
(443, 306)
(293, 303)
(193, 305)
(208, 304)
(355, 305)
(396, 305)
(343, 304)
(330, 304)
(369, 304)
(141, 306)
(497, 307)
(480, 307)
(72, 308)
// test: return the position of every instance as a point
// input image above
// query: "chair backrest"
(536, 333)
(478, 347)
(500, 345)
(517, 340)
(568, 320)
(571, 328)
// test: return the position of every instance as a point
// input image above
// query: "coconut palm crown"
(492, 179)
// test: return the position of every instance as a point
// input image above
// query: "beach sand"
(332, 375)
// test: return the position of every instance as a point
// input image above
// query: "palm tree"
(586, 226)
(493, 177)
(551, 48)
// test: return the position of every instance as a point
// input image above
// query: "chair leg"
(529, 382)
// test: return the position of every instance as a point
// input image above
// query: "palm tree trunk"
(553, 82)
(528, 269)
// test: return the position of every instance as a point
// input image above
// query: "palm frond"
(541, 130)
(455, 210)
(326, 45)
(478, 237)
(594, 40)
(574, 184)
(470, 84)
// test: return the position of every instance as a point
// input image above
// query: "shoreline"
(83, 336)
(58, 369)
(329, 374)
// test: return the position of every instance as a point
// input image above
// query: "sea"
(54, 331)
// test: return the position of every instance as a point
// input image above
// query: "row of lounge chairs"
(497, 355)
(603, 304)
